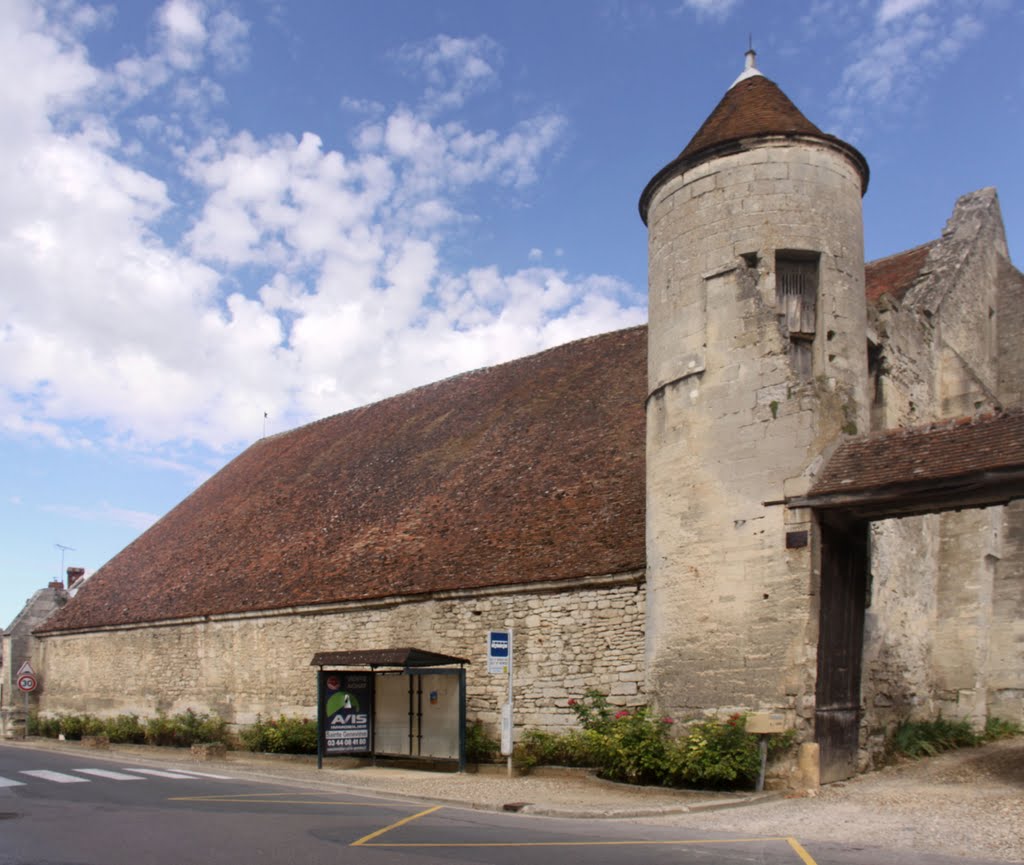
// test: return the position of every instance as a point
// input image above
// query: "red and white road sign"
(27, 682)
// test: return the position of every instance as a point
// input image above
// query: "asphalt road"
(61, 809)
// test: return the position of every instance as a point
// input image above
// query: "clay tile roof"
(937, 454)
(522, 473)
(895, 274)
(753, 107)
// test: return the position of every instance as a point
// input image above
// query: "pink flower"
(667, 720)
(623, 713)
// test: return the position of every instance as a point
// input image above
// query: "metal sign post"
(499, 660)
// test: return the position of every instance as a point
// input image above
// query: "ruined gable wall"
(565, 642)
(961, 294)
(943, 625)
(1010, 334)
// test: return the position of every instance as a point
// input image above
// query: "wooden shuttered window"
(796, 286)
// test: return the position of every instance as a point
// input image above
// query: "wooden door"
(844, 565)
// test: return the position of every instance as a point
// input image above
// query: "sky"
(221, 220)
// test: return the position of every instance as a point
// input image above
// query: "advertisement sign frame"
(345, 702)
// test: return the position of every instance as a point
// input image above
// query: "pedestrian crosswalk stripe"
(158, 773)
(113, 776)
(9, 782)
(192, 774)
(57, 777)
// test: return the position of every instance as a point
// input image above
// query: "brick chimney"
(74, 575)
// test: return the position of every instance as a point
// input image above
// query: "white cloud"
(893, 9)
(454, 68)
(174, 305)
(183, 31)
(904, 44)
(106, 513)
(711, 8)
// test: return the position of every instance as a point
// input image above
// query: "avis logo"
(344, 719)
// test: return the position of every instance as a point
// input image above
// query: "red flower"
(622, 713)
(667, 720)
(572, 702)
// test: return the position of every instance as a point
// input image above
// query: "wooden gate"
(844, 565)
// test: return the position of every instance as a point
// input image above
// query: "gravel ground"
(967, 803)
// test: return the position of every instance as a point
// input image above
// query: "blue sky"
(213, 210)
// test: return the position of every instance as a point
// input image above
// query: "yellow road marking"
(803, 854)
(395, 825)
(267, 798)
(644, 843)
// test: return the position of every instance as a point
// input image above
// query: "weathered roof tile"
(521, 473)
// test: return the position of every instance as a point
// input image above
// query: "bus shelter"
(401, 702)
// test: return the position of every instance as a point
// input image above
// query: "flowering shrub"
(713, 754)
(592, 710)
(636, 748)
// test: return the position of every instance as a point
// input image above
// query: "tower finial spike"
(750, 67)
(750, 55)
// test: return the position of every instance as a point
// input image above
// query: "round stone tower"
(757, 363)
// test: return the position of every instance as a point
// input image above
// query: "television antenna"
(63, 549)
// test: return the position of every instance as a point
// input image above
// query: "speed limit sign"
(27, 682)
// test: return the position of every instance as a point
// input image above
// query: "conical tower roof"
(753, 107)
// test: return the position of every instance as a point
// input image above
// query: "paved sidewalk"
(551, 792)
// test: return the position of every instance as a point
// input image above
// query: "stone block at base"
(209, 751)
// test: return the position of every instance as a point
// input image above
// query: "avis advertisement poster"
(348, 711)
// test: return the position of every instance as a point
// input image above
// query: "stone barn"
(796, 489)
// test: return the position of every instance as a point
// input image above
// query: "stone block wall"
(731, 419)
(1006, 646)
(943, 630)
(19, 645)
(584, 635)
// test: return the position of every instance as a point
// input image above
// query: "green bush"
(185, 729)
(181, 731)
(480, 748)
(998, 728)
(125, 729)
(717, 755)
(281, 736)
(634, 748)
(573, 748)
(592, 711)
(927, 738)
(254, 737)
(39, 726)
(75, 726)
